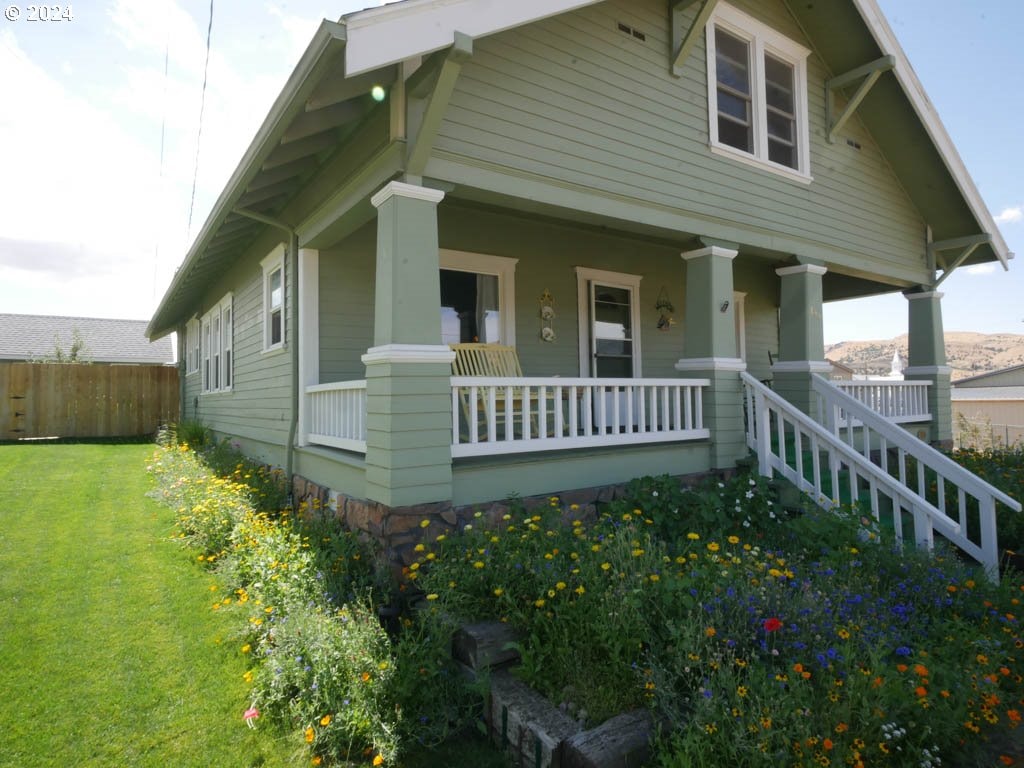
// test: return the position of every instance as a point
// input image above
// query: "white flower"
(749, 494)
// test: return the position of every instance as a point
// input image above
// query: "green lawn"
(109, 652)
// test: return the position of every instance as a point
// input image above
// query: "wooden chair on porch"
(492, 361)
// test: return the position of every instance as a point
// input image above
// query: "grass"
(110, 653)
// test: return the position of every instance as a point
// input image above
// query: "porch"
(508, 415)
(609, 361)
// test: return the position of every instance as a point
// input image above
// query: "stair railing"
(816, 460)
(918, 466)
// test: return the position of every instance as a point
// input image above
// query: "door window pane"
(612, 331)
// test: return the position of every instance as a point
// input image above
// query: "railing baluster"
(574, 412)
(474, 420)
(510, 416)
(492, 414)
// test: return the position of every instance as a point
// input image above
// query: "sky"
(100, 128)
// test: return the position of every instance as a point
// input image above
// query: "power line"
(199, 135)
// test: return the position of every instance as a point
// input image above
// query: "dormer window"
(757, 94)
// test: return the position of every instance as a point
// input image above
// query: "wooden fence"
(74, 400)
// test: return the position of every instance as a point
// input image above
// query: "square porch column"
(710, 349)
(408, 370)
(927, 361)
(801, 335)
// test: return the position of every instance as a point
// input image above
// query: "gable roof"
(31, 337)
(328, 94)
(971, 394)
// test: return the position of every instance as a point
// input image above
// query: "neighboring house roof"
(968, 394)
(1004, 377)
(34, 337)
(327, 96)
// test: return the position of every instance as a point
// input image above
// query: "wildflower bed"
(755, 638)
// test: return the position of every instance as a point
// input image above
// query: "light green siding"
(258, 407)
(572, 102)
(346, 305)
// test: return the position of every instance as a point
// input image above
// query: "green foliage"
(1003, 468)
(268, 486)
(801, 641)
(190, 432)
(304, 591)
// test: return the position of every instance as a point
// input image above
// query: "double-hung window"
(273, 300)
(216, 342)
(757, 94)
(192, 346)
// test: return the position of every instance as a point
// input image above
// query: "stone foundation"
(400, 529)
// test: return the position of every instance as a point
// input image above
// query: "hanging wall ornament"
(547, 317)
(665, 309)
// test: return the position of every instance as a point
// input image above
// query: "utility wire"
(199, 135)
(160, 182)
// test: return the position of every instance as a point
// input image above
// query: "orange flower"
(827, 744)
(902, 667)
(365, 677)
(310, 735)
(1006, 760)
(842, 728)
(921, 670)
(325, 720)
(921, 690)
(378, 760)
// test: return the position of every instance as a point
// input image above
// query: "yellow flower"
(478, 564)
(378, 760)
(246, 648)
(539, 603)
(424, 523)
(655, 577)
(713, 546)
(310, 735)
(605, 566)
(734, 539)
(693, 536)
(710, 632)
(317, 760)
(579, 590)
(247, 676)
(498, 592)
(560, 586)
(419, 548)
(432, 596)
(325, 720)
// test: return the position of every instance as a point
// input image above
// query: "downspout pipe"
(293, 269)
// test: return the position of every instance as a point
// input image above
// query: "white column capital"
(799, 269)
(401, 189)
(802, 366)
(409, 353)
(924, 295)
(711, 250)
(710, 364)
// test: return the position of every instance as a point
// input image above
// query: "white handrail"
(771, 418)
(336, 415)
(498, 415)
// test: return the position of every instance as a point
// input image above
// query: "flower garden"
(755, 636)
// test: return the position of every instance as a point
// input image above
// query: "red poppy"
(772, 624)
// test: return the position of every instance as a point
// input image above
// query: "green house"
(642, 204)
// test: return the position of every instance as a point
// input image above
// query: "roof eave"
(886, 40)
(329, 39)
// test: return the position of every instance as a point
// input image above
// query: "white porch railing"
(515, 415)
(337, 415)
(898, 401)
(819, 462)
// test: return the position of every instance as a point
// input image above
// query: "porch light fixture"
(724, 307)
(378, 93)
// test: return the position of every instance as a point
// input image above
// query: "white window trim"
(226, 304)
(270, 264)
(763, 39)
(586, 275)
(501, 267)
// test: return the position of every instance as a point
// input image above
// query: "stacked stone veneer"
(400, 529)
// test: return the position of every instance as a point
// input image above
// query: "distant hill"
(968, 354)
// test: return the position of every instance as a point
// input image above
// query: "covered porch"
(627, 343)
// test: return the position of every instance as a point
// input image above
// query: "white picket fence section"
(900, 402)
(515, 415)
(337, 415)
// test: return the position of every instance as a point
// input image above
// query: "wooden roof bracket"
(685, 46)
(870, 73)
(424, 125)
(967, 244)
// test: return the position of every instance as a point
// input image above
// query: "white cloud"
(1010, 215)
(987, 268)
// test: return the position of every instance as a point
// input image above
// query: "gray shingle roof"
(33, 337)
